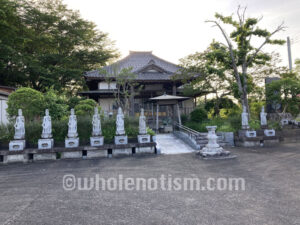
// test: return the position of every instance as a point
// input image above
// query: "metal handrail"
(189, 130)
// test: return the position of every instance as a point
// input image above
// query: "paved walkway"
(33, 193)
(169, 144)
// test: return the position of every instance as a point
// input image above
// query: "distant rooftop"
(145, 64)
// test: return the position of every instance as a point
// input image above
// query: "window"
(107, 86)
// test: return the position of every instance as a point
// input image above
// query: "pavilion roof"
(146, 65)
(166, 97)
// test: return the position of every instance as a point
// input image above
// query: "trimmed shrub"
(29, 100)
(56, 105)
(198, 115)
(85, 107)
(184, 118)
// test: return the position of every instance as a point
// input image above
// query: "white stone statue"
(96, 123)
(72, 131)
(245, 123)
(120, 122)
(142, 123)
(47, 126)
(19, 126)
(263, 117)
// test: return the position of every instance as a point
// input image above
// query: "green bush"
(108, 130)
(57, 106)
(73, 101)
(85, 107)
(59, 130)
(198, 115)
(255, 109)
(150, 131)
(274, 125)
(184, 118)
(29, 100)
(254, 124)
(225, 125)
(84, 128)
(6, 133)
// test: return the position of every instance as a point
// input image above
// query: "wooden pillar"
(174, 91)
(174, 107)
(157, 111)
(131, 101)
(178, 113)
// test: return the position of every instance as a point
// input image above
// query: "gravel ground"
(33, 193)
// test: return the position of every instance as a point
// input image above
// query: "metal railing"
(187, 134)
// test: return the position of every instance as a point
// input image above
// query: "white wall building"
(4, 93)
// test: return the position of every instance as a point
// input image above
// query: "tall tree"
(58, 46)
(242, 53)
(11, 43)
(213, 76)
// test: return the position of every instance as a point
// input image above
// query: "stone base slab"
(271, 142)
(44, 156)
(121, 140)
(142, 150)
(72, 142)
(17, 145)
(96, 153)
(16, 158)
(248, 143)
(45, 143)
(143, 138)
(122, 151)
(71, 155)
(97, 141)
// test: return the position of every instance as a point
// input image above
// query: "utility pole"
(289, 53)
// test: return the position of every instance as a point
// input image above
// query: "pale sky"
(173, 29)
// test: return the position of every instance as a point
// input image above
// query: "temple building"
(4, 93)
(154, 77)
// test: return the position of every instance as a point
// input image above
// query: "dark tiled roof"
(139, 62)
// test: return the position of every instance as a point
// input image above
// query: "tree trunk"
(131, 101)
(217, 106)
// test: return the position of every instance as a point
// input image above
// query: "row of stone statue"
(72, 139)
(263, 123)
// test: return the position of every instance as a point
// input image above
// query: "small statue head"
(19, 112)
(72, 112)
(47, 112)
(142, 112)
(120, 110)
(96, 110)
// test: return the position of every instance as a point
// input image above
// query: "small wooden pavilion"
(168, 100)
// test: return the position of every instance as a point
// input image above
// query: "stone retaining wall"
(82, 152)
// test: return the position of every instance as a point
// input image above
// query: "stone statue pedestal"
(213, 149)
(97, 141)
(284, 122)
(72, 142)
(17, 145)
(143, 138)
(250, 133)
(269, 133)
(121, 140)
(46, 143)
